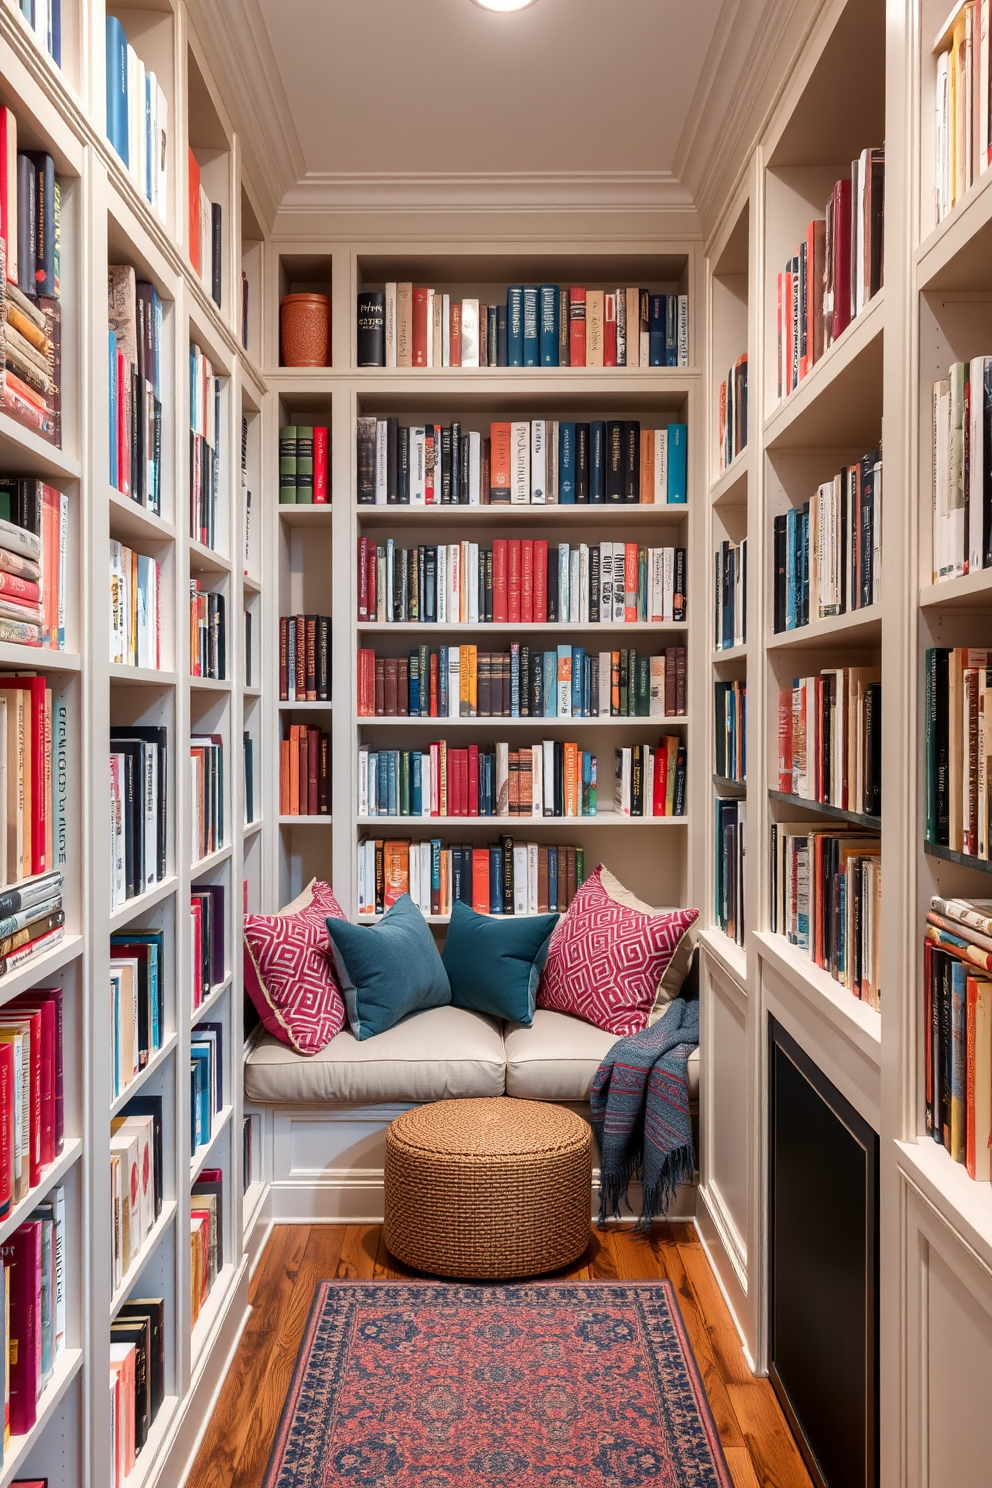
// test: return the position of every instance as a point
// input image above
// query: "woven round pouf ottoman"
(488, 1189)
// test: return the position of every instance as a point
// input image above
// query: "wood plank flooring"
(759, 1448)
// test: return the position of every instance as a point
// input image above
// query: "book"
(305, 658)
(207, 633)
(505, 878)
(135, 316)
(304, 771)
(831, 750)
(205, 454)
(826, 552)
(137, 118)
(477, 780)
(826, 901)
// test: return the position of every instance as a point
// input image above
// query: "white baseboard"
(727, 1256)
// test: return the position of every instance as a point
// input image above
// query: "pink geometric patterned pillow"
(289, 971)
(605, 960)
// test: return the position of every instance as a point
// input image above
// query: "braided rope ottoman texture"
(488, 1189)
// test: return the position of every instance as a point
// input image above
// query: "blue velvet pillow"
(494, 965)
(387, 970)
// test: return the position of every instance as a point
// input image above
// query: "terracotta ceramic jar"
(305, 330)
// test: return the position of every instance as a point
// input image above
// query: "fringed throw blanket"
(640, 1113)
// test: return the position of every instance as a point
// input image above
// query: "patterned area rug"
(556, 1385)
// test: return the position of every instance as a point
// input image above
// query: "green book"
(642, 669)
(304, 464)
(580, 867)
(287, 464)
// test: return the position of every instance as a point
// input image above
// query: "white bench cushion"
(556, 1058)
(441, 1053)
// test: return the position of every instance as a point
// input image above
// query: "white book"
(474, 468)
(390, 571)
(418, 467)
(132, 122)
(941, 171)
(454, 583)
(414, 874)
(564, 574)
(441, 584)
(621, 784)
(564, 709)
(942, 546)
(583, 583)
(604, 698)
(551, 462)
(502, 778)
(682, 330)
(381, 457)
(363, 780)
(445, 330)
(162, 136)
(656, 706)
(454, 681)
(660, 467)
(532, 878)
(548, 750)
(574, 588)
(538, 463)
(648, 772)
(58, 1248)
(390, 297)
(436, 321)
(619, 571)
(470, 333)
(858, 200)
(464, 574)
(537, 780)
(656, 585)
(429, 356)
(606, 583)
(983, 141)
(668, 585)
(976, 464)
(472, 586)
(520, 893)
(520, 457)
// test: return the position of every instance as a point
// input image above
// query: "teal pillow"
(494, 965)
(387, 970)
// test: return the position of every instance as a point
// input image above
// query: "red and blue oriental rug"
(560, 1385)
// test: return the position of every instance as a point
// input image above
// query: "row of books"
(958, 741)
(34, 550)
(138, 809)
(827, 553)
(730, 730)
(568, 682)
(45, 19)
(206, 920)
(206, 780)
(33, 767)
(506, 878)
(207, 633)
(206, 1082)
(204, 447)
(137, 118)
(206, 1243)
(206, 237)
(31, 334)
(305, 658)
(957, 1031)
(649, 780)
(303, 464)
(835, 272)
(135, 348)
(541, 462)
(550, 779)
(32, 1100)
(135, 607)
(730, 595)
(33, 920)
(136, 1176)
(521, 581)
(731, 837)
(137, 1380)
(407, 325)
(33, 1301)
(962, 469)
(137, 1002)
(830, 739)
(731, 425)
(305, 772)
(962, 138)
(826, 899)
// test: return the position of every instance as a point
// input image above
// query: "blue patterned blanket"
(640, 1114)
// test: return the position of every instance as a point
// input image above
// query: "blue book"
(587, 709)
(532, 340)
(112, 369)
(678, 442)
(671, 331)
(550, 670)
(43, 172)
(588, 784)
(116, 985)
(515, 326)
(495, 880)
(656, 330)
(502, 359)
(55, 44)
(435, 868)
(514, 680)
(391, 758)
(564, 582)
(550, 312)
(790, 568)
(597, 461)
(552, 877)
(959, 1057)
(566, 464)
(442, 682)
(413, 675)
(578, 677)
(149, 141)
(417, 784)
(117, 87)
(492, 336)
(404, 768)
(802, 577)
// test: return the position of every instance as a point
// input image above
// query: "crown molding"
(496, 191)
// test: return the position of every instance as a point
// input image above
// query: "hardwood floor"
(759, 1448)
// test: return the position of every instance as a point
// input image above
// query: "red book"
(372, 579)
(512, 583)
(433, 687)
(50, 521)
(193, 182)
(660, 779)
(630, 564)
(526, 581)
(842, 256)
(576, 326)
(480, 880)
(302, 799)
(429, 447)
(472, 804)
(22, 1253)
(500, 577)
(6, 1127)
(319, 466)
(35, 686)
(540, 581)
(609, 330)
(37, 1007)
(455, 334)
(419, 327)
(785, 740)
(123, 425)
(500, 463)
(463, 782)
(313, 771)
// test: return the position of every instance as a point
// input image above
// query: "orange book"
(455, 334)
(304, 746)
(193, 183)
(500, 463)
(419, 326)
(480, 880)
(630, 583)
(647, 466)
(571, 792)
(395, 870)
(445, 899)
(284, 777)
(526, 581)
(294, 770)
(513, 581)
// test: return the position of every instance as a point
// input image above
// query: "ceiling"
(421, 102)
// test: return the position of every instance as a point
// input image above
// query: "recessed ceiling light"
(504, 4)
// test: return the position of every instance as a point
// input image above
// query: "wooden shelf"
(440, 724)
(38, 658)
(217, 1126)
(609, 515)
(305, 821)
(857, 627)
(19, 1448)
(122, 671)
(144, 1075)
(131, 522)
(560, 627)
(488, 384)
(520, 823)
(305, 515)
(730, 488)
(858, 1022)
(148, 1247)
(973, 591)
(730, 653)
(132, 909)
(964, 1203)
(210, 684)
(822, 808)
(207, 560)
(210, 1001)
(285, 707)
(212, 860)
(731, 956)
(51, 1177)
(36, 972)
(730, 787)
(26, 451)
(839, 403)
(963, 860)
